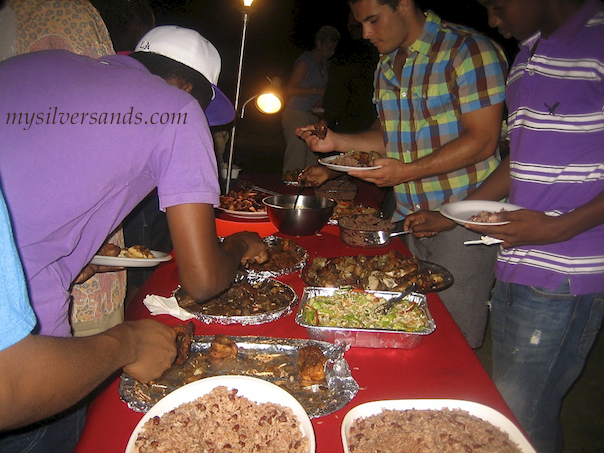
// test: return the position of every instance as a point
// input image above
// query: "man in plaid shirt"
(439, 89)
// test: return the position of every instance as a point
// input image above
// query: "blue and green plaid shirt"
(450, 70)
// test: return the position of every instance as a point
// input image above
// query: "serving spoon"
(395, 300)
(383, 236)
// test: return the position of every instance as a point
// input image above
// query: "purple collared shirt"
(555, 97)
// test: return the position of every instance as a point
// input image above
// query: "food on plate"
(109, 250)
(243, 298)
(284, 255)
(222, 348)
(390, 272)
(320, 129)
(360, 309)
(184, 338)
(348, 208)
(223, 421)
(136, 251)
(483, 216)
(247, 200)
(356, 159)
(311, 365)
(341, 188)
(427, 431)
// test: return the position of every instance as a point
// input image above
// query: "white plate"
(117, 261)
(461, 211)
(245, 214)
(254, 389)
(479, 410)
(327, 162)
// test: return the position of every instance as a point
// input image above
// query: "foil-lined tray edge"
(338, 373)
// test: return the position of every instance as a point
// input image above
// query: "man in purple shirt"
(548, 302)
(83, 141)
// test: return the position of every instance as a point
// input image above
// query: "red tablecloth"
(442, 366)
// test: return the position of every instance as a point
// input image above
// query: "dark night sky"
(279, 30)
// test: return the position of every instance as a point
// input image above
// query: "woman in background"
(305, 89)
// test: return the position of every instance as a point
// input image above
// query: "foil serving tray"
(271, 359)
(274, 241)
(245, 320)
(363, 337)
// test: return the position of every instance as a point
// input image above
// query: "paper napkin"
(159, 305)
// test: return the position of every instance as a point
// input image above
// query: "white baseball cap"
(193, 50)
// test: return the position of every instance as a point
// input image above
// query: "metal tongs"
(246, 185)
(395, 300)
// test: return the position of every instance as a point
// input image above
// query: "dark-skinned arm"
(529, 227)
(41, 376)
(205, 266)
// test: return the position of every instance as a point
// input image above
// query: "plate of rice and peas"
(476, 212)
(352, 160)
(430, 425)
(225, 413)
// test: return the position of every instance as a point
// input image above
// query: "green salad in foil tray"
(365, 310)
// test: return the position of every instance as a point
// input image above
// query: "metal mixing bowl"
(308, 217)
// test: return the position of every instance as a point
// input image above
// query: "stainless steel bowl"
(309, 215)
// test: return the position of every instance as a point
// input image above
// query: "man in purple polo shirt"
(83, 141)
(548, 301)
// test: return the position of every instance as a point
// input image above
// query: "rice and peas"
(223, 421)
(427, 431)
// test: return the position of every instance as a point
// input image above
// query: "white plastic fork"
(486, 240)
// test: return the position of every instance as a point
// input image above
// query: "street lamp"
(246, 5)
(268, 101)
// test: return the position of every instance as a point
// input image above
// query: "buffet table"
(441, 366)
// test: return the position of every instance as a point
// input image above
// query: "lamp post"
(246, 5)
(268, 101)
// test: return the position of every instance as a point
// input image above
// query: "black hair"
(167, 68)
(392, 3)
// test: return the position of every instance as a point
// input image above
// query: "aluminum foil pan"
(366, 338)
(274, 242)
(272, 359)
(200, 310)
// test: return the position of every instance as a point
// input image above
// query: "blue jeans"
(58, 434)
(540, 341)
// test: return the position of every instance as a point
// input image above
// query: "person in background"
(548, 300)
(34, 25)
(305, 90)
(61, 221)
(40, 376)
(348, 100)
(439, 90)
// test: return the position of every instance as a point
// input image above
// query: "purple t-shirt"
(83, 141)
(555, 97)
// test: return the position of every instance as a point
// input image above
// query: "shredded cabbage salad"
(360, 309)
